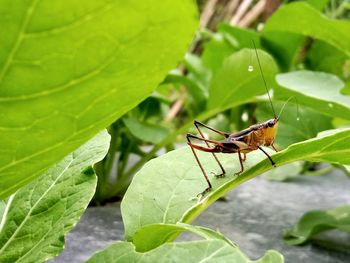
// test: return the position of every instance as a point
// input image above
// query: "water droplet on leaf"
(250, 68)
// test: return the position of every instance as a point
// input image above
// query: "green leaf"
(198, 73)
(323, 57)
(284, 46)
(145, 131)
(194, 88)
(196, 251)
(301, 18)
(285, 172)
(154, 235)
(314, 222)
(224, 43)
(165, 190)
(41, 213)
(233, 81)
(243, 37)
(318, 4)
(69, 69)
(317, 90)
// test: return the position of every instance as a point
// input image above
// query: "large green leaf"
(41, 213)
(70, 68)
(326, 58)
(317, 90)
(165, 189)
(301, 18)
(314, 222)
(215, 251)
(234, 81)
(284, 46)
(215, 248)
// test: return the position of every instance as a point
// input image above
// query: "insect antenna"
(263, 77)
(296, 102)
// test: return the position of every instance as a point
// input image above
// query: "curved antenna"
(297, 104)
(262, 76)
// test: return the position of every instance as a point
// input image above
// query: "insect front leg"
(268, 156)
(273, 147)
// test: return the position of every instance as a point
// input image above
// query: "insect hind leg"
(197, 123)
(200, 165)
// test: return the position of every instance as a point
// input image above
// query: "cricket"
(242, 142)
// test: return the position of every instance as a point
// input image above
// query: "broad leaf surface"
(233, 81)
(317, 90)
(326, 58)
(70, 68)
(211, 251)
(303, 19)
(165, 189)
(284, 46)
(314, 222)
(41, 213)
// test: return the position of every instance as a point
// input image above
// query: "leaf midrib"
(34, 206)
(19, 39)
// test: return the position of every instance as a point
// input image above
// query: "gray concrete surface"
(255, 216)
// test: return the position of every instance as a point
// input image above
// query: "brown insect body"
(243, 142)
(261, 134)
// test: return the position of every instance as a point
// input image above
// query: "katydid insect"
(243, 142)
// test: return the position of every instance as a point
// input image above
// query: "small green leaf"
(41, 213)
(211, 251)
(70, 68)
(165, 190)
(154, 235)
(144, 131)
(317, 90)
(314, 222)
(303, 19)
(194, 88)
